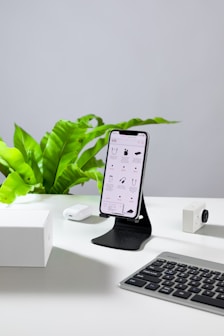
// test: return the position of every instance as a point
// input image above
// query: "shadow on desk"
(211, 230)
(66, 273)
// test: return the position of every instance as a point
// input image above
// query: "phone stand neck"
(127, 234)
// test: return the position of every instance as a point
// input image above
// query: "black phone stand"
(127, 234)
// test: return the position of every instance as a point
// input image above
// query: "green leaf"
(44, 140)
(93, 163)
(140, 122)
(72, 176)
(12, 187)
(31, 151)
(14, 161)
(4, 167)
(62, 147)
(85, 121)
(92, 151)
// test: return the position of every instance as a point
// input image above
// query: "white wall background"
(60, 59)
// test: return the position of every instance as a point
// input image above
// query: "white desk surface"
(78, 294)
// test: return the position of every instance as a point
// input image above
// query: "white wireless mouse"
(77, 212)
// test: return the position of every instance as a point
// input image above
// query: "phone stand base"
(127, 234)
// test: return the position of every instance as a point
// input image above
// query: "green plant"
(64, 157)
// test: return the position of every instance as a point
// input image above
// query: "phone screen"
(123, 175)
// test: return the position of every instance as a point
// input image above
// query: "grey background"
(60, 59)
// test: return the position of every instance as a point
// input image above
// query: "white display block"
(25, 237)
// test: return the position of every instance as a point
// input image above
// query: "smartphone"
(123, 175)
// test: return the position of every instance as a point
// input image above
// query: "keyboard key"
(182, 294)
(216, 273)
(219, 277)
(208, 301)
(208, 293)
(182, 265)
(181, 286)
(181, 268)
(169, 266)
(196, 278)
(159, 262)
(194, 283)
(151, 272)
(168, 277)
(148, 278)
(220, 283)
(209, 281)
(192, 267)
(194, 290)
(168, 283)
(220, 296)
(171, 263)
(170, 272)
(152, 286)
(183, 275)
(166, 290)
(206, 275)
(136, 282)
(181, 280)
(207, 286)
(193, 271)
(155, 268)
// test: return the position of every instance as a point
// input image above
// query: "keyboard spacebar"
(208, 300)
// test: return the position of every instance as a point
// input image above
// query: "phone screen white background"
(123, 174)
